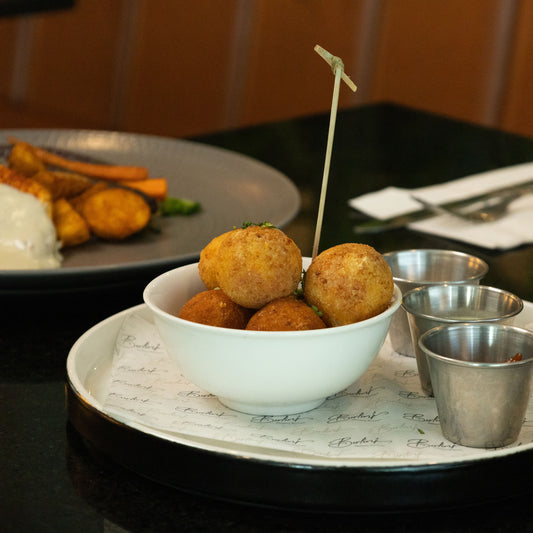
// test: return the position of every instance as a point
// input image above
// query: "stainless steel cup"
(417, 268)
(481, 397)
(436, 305)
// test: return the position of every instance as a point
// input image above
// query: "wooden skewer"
(334, 62)
(338, 69)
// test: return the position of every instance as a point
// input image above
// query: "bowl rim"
(473, 364)
(439, 251)
(393, 306)
(460, 287)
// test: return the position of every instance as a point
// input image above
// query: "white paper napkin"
(514, 229)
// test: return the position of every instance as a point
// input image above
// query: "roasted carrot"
(106, 172)
(156, 188)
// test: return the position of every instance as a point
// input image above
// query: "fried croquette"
(349, 283)
(214, 308)
(285, 314)
(257, 264)
(207, 266)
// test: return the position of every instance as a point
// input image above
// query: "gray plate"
(231, 188)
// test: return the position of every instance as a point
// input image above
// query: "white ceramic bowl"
(262, 372)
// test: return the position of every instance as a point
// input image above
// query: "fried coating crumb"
(214, 308)
(257, 264)
(285, 314)
(349, 283)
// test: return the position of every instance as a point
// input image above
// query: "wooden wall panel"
(8, 39)
(284, 76)
(183, 68)
(517, 115)
(179, 78)
(73, 61)
(438, 55)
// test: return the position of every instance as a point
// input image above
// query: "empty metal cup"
(436, 305)
(481, 394)
(417, 268)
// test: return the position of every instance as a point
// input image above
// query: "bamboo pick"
(333, 62)
(338, 69)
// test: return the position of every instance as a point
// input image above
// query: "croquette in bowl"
(258, 264)
(349, 283)
(214, 308)
(207, 266)
(285, 314)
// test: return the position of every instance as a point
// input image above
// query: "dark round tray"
(297, 486)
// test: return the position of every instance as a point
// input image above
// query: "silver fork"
(481, 208)
(487, 210)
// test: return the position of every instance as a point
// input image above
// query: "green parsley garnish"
(315, 309)
(178, 206)
(261, 225)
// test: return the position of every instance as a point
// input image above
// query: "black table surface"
(50, 480)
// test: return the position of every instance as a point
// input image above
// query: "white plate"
(232, 189)
(88, 369)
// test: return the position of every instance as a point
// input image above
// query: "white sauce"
(27, 235)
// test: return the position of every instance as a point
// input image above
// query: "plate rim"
(13, 281)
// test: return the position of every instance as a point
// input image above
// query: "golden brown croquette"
(285, 314)
(349, 283)
(207, 266)
(214, 308)
(257, 264)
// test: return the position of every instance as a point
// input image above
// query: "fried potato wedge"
(71, 227)
(63, 184)
(116, 213)
(28, 185)
(23, 159)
